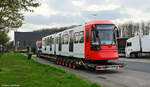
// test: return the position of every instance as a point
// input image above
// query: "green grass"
(16, 69)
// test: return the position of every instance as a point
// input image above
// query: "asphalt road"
(136, 74)
(142, 65)
(138, 66)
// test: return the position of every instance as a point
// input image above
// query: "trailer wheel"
(70, 64)
(74, 66)
(57, 61)
(63, 62)
(66, 64)
(39, 54)
(80, 65)
(133, 55)
(60, 61)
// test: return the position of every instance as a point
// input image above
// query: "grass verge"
(17, 70)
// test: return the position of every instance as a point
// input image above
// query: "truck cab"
(132, 47)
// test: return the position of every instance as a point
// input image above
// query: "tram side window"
(76, 36)
(45, 41)
(67, 36)
(62, 39)
(52, 40)
(59, 39)
(93, 36)
(87, 36)
(66, 39)
(81, 37)
(48, 41)
(56, 39)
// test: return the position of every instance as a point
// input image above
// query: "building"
(28, 39)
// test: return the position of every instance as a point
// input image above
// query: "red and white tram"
(90, 45)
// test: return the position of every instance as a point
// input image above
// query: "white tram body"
(95, 42)
(67, 43)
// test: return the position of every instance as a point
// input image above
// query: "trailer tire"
(133, 55)
(60, 61)
(74, 66)
(66, 63)
(57, 61)
(70, 65)
(39, 54)
(63, 62)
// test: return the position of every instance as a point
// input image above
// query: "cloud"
(53, 13)
(58, 19)
(78, 3)
(102, 7)
(44, 10)
(70, 9)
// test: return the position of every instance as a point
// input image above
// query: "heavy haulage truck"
(91, 46)
(138, 46)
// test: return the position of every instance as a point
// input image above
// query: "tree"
(3, 38)
(11, 12)
(131, 29)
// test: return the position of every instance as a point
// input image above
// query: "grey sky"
(57, 13)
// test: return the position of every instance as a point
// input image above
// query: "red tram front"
(100, 41)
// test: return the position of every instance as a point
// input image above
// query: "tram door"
(71, 41)
(59, 43)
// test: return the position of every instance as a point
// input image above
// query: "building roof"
(25, 38)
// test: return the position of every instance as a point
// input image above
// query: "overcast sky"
(57, 13)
